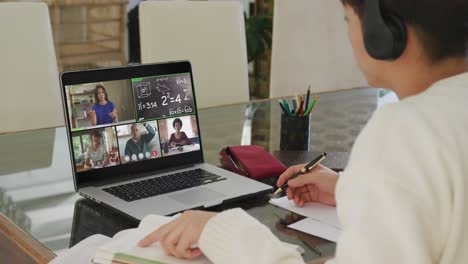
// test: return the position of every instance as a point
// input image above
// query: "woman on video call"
(178, 137)
(96, 154)
(104, 111)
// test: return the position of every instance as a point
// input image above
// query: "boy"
(402, 198)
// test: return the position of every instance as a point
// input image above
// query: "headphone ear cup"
(400, 35)
(385, 37)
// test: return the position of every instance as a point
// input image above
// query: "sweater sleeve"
(151, 133)
(233, 236)
(386, 201)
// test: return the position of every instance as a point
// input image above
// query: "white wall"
(310, 46)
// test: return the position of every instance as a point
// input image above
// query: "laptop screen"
(117, 123)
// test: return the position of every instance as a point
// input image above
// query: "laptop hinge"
(89, 197)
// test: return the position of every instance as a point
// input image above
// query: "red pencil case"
(251, 161)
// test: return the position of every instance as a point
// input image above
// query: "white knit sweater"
(402, 198)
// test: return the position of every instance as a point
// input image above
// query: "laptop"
(135, 143)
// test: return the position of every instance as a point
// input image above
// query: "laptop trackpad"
(197, 196)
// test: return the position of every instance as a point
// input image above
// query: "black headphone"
(385, 35)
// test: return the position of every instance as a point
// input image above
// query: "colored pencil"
(307, 99)
(311, 106)
(282, 107)
(301, 111)
(286, 106)
(294, 104)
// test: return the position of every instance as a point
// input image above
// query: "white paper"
(322, 213)
(83, 252)
(317, 228)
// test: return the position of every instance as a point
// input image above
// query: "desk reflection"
(91, 218)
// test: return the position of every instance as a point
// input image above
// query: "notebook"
(123, 249)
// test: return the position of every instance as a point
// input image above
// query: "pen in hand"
(304, 170)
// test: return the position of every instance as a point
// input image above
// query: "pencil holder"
(295, 132)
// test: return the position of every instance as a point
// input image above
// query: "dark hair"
(96, 92)
(96, 133)
(441, 25)
(177, 120)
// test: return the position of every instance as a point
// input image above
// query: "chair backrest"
(211, 35)
(28, 69)
(310, 47)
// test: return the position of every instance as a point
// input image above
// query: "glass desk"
(36, 185)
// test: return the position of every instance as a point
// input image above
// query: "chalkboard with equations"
(163, 96)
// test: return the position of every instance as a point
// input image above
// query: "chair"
(88, 33)
(28, 69)
(310, 47)
(211, 35)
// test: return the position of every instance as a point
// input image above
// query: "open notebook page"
(83, 252)
(124, 246)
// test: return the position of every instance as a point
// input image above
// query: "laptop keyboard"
(156, 186)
